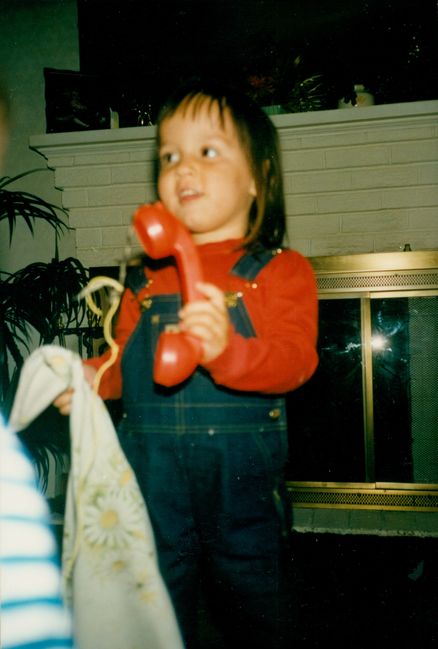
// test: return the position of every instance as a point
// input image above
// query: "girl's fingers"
(208, 320)
(63, 401)
(215, 295)
(213, 305)
(205, 321)
(89, 374)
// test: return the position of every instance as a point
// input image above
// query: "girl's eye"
(168, 158)
(209, 152)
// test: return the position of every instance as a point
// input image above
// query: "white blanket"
(110, 569)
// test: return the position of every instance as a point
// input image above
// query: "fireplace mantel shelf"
(131, 137)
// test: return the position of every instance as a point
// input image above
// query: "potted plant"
(36, 302)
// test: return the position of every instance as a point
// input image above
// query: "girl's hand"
(63, 401)
(208, 320)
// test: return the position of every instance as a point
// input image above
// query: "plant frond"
(7, 180)
(22, 204)
(46, 295)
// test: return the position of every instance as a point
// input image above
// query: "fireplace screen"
(369, 415)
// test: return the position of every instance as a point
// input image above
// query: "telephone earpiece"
(162, 235)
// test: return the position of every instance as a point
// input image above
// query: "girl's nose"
(186, 165)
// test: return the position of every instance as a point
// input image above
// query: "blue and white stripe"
(33, 615)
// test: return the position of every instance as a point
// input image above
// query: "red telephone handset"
(162, 235)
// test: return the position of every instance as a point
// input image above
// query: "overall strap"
(249, 265)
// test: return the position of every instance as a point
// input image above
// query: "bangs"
(192, 104)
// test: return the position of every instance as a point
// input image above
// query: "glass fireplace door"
(370, 412)
(326, 415)
(404, 344)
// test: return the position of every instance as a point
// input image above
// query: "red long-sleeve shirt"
(281, 302)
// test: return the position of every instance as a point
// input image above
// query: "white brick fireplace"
(356, 180)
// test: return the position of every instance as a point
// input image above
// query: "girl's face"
(205, 178)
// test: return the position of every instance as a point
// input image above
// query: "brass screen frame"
(371, 276)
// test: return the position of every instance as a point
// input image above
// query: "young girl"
(209, 454)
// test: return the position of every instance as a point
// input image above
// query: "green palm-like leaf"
(40, 297)
(47, 295)
(14, 337)
(13, 322)
(21, 204)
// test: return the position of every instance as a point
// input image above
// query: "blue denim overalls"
(210, 462)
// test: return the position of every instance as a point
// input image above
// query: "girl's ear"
(252, 188)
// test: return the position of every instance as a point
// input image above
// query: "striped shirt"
(33, 615)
